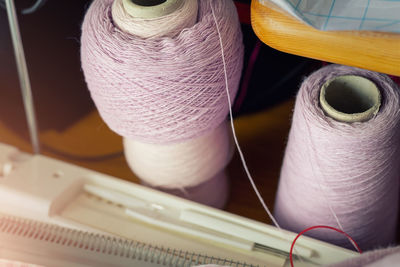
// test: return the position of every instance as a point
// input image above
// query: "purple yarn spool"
(162, 89)
(347, 169)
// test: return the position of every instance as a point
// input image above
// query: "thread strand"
(234, 131)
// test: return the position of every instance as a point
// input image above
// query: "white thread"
(233, 128)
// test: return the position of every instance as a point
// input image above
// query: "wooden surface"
(375, 51)
(262, 137)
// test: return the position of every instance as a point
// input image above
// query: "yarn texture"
(344, 170)
(162, 89)
(181, 165)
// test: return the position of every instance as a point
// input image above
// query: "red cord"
(247, 77)
(320, 226)
(243, 10)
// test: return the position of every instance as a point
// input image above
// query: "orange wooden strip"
(375, 51)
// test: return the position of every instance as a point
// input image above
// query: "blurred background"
(70, 128)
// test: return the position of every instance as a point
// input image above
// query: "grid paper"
(371, 15)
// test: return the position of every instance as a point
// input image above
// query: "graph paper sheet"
(371, 15)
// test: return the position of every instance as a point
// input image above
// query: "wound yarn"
(160, 83)
(165, 26)
(344, 175)
(184, 164)
(162, 89)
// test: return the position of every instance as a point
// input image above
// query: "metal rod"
(23, 75)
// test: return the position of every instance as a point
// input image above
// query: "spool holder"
(148, 2)
(350, 98)
(150, 9)
(23, 75)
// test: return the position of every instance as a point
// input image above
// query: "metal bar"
(23, 75)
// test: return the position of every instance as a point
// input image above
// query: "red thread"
(320, 226)
(243, 12)
(247, 77)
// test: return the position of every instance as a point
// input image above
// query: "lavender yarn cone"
(164, 89)
(159, 82)
(348, 170)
